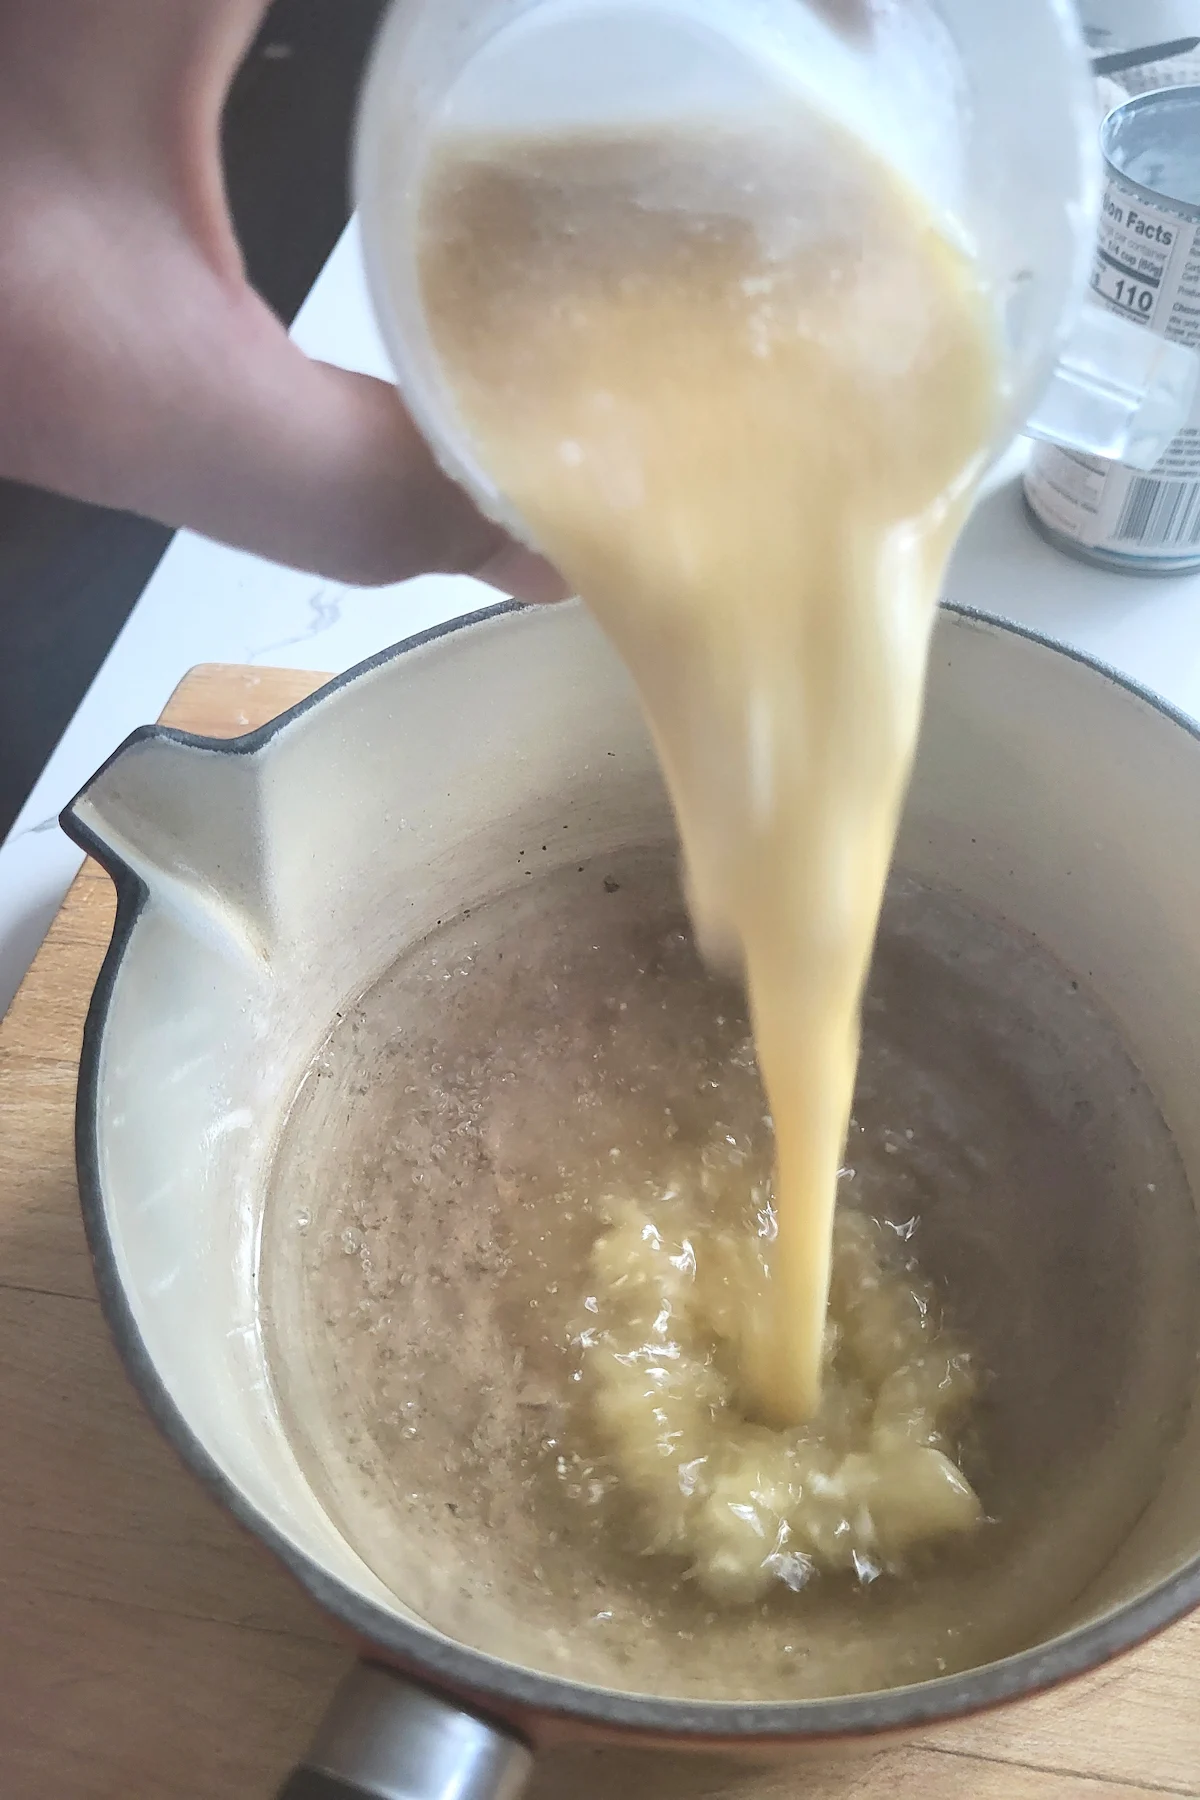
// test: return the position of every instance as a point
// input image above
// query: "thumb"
(323, 469)
(162, 383)
(252, 442)
(331, 474)
(138, 369)
(171, 389)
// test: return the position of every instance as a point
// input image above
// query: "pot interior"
(1041, 935)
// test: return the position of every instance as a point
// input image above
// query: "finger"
(306, 464)
(160, 386)
(523, 576)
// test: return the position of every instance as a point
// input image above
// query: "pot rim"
(442, 1660)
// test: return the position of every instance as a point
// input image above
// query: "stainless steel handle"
(383, 1739)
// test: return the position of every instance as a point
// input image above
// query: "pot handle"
(384, 1739)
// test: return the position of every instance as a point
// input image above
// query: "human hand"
(138, 368)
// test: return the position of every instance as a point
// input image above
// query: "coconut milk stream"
(737, 387)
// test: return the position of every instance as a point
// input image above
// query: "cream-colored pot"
(266, 881)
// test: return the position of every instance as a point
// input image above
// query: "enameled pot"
(263, 882)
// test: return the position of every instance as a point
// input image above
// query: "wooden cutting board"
(149, 1650)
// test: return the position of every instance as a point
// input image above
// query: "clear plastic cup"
(990, 111)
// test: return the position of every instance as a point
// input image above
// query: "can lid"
(1153, 142)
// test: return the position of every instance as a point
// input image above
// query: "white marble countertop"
(208, 604)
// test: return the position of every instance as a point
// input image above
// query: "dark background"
(69, 574)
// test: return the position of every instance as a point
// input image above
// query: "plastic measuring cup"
(989, 111)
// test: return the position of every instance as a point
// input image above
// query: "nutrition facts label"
(1148, 264)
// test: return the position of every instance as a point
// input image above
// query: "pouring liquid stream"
(738, 384)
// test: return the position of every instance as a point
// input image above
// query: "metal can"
(1147, 267)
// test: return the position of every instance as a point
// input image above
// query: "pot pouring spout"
(183, 815)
